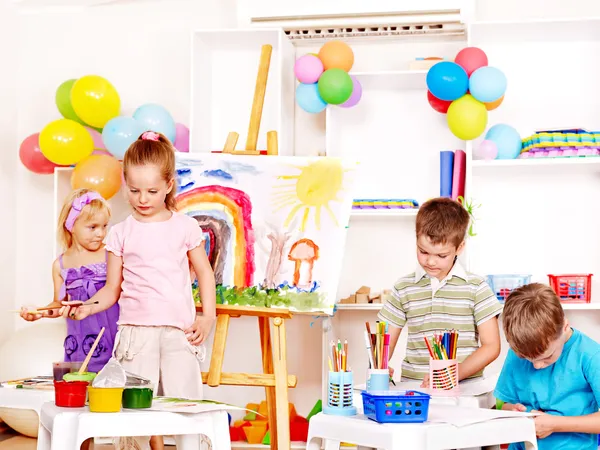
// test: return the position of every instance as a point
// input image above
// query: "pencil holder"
(339, 394)
(443, 376)
(378, 380)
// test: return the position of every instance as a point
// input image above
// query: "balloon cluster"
(324, 78)
(465, 90)
(92, 137)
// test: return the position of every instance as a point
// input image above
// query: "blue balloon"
(309, 99)
(156, 118)
(507, 140)
(487, 84)
(447, 81)
(119, 133)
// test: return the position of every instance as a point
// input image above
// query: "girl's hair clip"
(150, 136)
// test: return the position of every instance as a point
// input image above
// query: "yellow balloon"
(95, 100)
(467, 117)
(65, 142)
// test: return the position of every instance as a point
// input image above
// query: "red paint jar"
(70, 394)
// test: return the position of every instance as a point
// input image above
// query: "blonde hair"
(443, 221)
(533, 317)
(65, 237)
(158, 152)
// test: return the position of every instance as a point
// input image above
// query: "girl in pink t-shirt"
(148, 273)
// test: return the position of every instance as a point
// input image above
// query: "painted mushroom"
(304, 253)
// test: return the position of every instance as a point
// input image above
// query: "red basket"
(572, 288)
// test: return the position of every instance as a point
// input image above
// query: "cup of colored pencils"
(443, 365)
(340, 389)
(378, 348)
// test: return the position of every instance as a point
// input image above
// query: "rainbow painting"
(274, 227)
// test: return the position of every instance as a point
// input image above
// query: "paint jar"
(378, 380)
(105, 400)
(70, 394)
(138, 397)
(76, 376)
(443, 377)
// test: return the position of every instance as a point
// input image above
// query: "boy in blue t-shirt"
(550, 368)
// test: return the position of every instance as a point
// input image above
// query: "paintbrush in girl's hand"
(49, 307)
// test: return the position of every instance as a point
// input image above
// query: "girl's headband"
(78, 204)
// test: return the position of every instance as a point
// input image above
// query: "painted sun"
(310, 192)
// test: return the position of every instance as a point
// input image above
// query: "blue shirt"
(569, 387)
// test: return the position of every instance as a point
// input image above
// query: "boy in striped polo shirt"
(440, 295)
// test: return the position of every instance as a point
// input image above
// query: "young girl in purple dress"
(79, 273)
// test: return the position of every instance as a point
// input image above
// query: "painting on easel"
(275, 228)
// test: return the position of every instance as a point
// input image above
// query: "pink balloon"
(182, 138)
(31, 156)
(487, 150)
(356, 94)
(308, 69)
(97, 138)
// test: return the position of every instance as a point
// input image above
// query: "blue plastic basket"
(503, 285)
(396, 406)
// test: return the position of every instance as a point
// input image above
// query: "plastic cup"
(137, 397)
(378, 380)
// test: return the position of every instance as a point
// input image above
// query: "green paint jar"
(137, 398)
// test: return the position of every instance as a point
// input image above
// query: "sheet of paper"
(182, 405)
(461, 416)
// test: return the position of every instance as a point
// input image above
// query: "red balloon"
(471, 59)
(31, 156)
(440, 106)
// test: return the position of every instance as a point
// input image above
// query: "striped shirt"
(462, 301)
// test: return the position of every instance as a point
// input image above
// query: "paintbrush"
(47, 308)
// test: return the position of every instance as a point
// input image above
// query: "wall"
(8, 165)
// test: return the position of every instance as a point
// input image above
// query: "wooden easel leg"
(267, 360)
(281, 388)
(218, 350)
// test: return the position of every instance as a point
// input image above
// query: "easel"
(274, 378)
(256, 114)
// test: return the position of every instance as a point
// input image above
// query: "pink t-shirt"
(156, 288)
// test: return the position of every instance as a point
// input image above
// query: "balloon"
(487, 150)
(471, 59)
(335, 86)
(63, 101)
(308, 69)
(356, 94)
(100, 173)
(336, 55)
(507, 140)
(31, 156)
(447, 81)
(440, 106)
(182, 138)
(487, 84)
(308, 98)
(101, 152)
(65, 142)
(467, 117)
(156, 118)
(96, 137)
(95, 100)
(493, 105)
(119, 133)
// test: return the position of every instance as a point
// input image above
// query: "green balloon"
(335, 86)
(63, 103)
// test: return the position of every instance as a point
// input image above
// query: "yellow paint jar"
(105, 400)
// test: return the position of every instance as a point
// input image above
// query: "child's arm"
(546, 424)
(489, 336)
(105, 297)
(52, 313)
(203, 324)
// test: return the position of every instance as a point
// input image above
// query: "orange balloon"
(493, 105)
(101, 173)
(336, 55)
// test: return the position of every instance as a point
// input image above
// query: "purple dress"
(81, 283)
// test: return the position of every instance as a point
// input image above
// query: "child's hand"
(75, 309)
(391, 370)
(514, 407)
(544, 424)
(200, 329)
(27, 313)
(425, 383)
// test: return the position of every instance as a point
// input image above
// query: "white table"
(24, 400)
(67, 428)
(363, 432)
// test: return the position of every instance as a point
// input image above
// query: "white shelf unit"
(224, 65)
(537, 166)
(384, 213)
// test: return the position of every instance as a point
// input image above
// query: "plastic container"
(105, 400)
(61, 368)
(137, 397)
(76, 376)
(443, 377)
(70, 394)
(572, 288)
(378, 380)
(339, 394)
(503, 285)
(396, 406)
